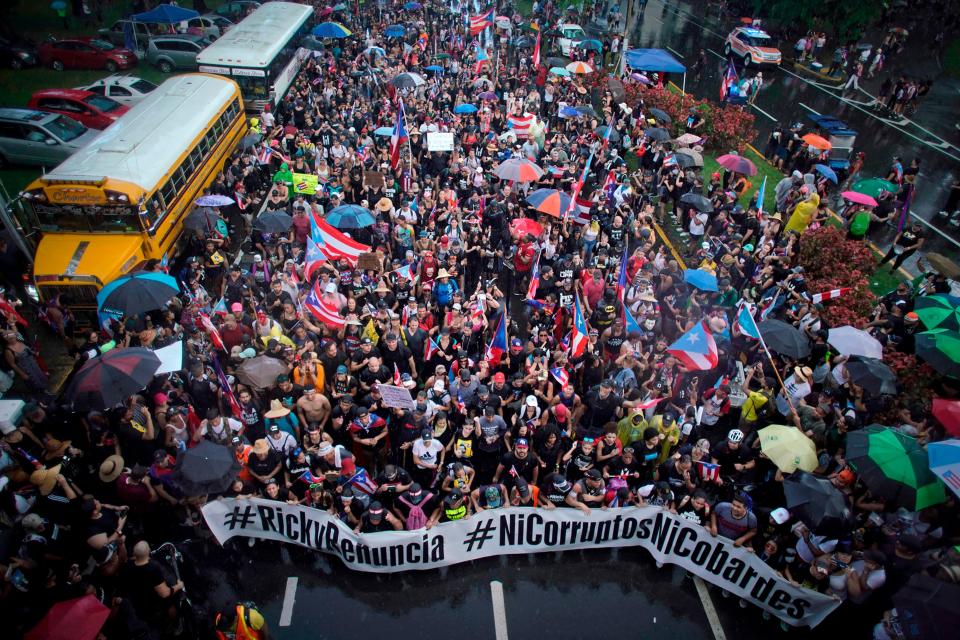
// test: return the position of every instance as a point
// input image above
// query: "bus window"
(154, 213)
(88, 218)
(252, 87)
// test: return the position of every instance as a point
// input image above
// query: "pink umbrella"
(77, 619)
(642, 79)
(859, 198)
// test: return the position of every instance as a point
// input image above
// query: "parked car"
(85, 53)
(236, 10)
(114, 33)
(127, 90)
(175, 51)
(16, 56)
(39, 138)
(569, 35)
(210, 25)
(89, 108)
(751, 45)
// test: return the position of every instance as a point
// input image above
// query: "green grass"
(523, 7)
(764, 170)
(951, 59)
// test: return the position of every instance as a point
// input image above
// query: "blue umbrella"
(376, 51)
(138, 292)
(568, 111)
(412, 6)
(331, 30)
(395, 31)
(589, 44)
(560, 71)
(465, 108)
(384, 131)
(945, 462)
(350, 216)
(435, 68)
(703, 280)
(826, 172)
(550, 201)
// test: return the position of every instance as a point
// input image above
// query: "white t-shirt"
(227, 427)
(797, 390)
(282, 445)
(804, 551)
(428, 452)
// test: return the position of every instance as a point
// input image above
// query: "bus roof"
(258, 38)
(147, 141)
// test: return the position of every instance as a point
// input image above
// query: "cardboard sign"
(440, 141)
(304, 183)
(374, 179)
(396, 396)
(369, 261)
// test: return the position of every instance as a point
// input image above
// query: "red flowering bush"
(915, 378)
(831, 261)
(725, 127)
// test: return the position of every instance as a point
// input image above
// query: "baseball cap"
(498, 377)
(594, 474)
(522, 442)
(236, 306)
(375, 512)
(560, 412)
(342, 368)
(516, 342)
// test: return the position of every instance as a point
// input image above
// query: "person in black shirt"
(150, 588)
(904, 245)
(624, 466)
(647, 452)
(602, 406)
(519, 462)
(396, 354)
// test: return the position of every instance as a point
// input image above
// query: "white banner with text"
(517, 530)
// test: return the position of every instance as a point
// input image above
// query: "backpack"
(416, 519)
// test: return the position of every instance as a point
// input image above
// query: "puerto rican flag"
(315, 257)
(321, 309)
(333, 243)
(817, 298)
(534, 279)
(579, 336)
(481, 22)
(581, 210)
(745, 322)
(536, 53)
(221, 307)
(696, 349)
(362, 482)
(649, 404)
(709, 472)
(429, 349)
(630, 322)
(225, 387)
(211, 331)
(498, 345)
(406, 272)
(265, 154)
(622, 277)
(398, 137)
(520, 125)
(729, 79)
(482, 58)
(396, 376)
(562, 376)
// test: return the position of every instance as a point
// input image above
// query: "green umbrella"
(940, 348)
(940, 311)
(894, 466)
(873, 186)
(442, 56)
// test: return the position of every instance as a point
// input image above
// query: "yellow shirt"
(755, 401)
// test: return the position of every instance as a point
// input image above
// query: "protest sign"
(440, 141)
(304, 183)
(396, 396)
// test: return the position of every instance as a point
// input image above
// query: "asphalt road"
(787, 97)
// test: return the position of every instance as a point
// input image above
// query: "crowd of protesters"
(616, 422)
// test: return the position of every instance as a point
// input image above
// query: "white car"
(124, 89)
(570, 34)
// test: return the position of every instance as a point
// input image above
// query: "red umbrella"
(77, 619)
(737, 164)
(948, 413)
(859, 198)
(524, 226)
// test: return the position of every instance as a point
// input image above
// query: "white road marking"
(708, 608)
(499, 610)
(674, 52)
(810, 109)
(716, 54)
(289, 596)
(763, 112)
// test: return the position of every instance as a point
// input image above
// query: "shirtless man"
(313, 408)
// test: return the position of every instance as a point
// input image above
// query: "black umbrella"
(660, 115)
(684, 161)
(616, 89)
(273, 222)
(927, 608)
(872, 374)
(523, 41)
(206, 468)
(695, 200)
(613, 135)
(201, 219)
(138, 292)
(557, 62)
(658, 134)
(785, 339)
(817, 503)
(108, 380)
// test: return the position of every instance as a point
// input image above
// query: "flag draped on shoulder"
(498, 344)
(321, 309)
(696, 349)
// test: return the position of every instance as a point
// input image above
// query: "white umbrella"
(850, 341)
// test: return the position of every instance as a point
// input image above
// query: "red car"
(85, 53)
(88, 108)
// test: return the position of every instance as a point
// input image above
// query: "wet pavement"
(788, 97)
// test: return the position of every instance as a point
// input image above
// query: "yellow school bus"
(122, 199)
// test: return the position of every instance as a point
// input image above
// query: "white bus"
(261, 54)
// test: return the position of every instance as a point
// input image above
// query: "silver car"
(39, 137)
(175, 51)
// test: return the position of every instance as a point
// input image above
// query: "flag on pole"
(696, 349)
(221, 307)
(817, 298)
(481, 22)
(396, 376)
(580, 336)
(321, 309)
(729, 79)
(631, 324)
(498, 344)
(333, 243)
(370, 331)
(225, 386)
(429, 349)
(536, 54)
(362, 482)
(534, 279)
(482, 57)
(761, 192)
(649, 404)
(397, 138)
(745, 323)
(622, 277)
(211, 331)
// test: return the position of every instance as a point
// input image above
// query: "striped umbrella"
(893, 465)
(940, 311)
(940, 348)
(550, 201)
(579, 67)
(108, 380)
(518, 170)
(137, 292)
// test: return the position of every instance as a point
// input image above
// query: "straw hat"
(111, 468)
(46, 479)
(261, 446)
(442, 274)
(804, 374)
(277, 410)
(383, 204)
(382, 287)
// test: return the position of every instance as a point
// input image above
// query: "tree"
(844, 19)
